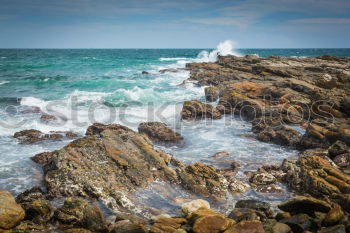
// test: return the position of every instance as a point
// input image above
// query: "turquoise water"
(92, 85)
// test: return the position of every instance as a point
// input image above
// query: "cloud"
(321, 21)
(218, 21)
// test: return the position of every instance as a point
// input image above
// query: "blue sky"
(174, 24)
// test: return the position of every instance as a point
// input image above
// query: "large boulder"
(159, 132)
(253, 226)
(195, 109)
(11, 213)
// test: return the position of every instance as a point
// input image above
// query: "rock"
(343, 161)
(262, 178)
(334, 229)
(303, 204)
(164, 225)
(207, 220)
(195, 109)
(193, 206)
(107, 167)
(38, 211)
(282, 215)
(97, 128)
(42, 158)
(281, 228)
(72, 211)
(48, 118)
(220, 155)
(338, 148)
(145, 72)
(278, 134)
(130, 228)
(30, 110)
(315, 175)
(158, 131)
(240, 214)
(204, 180)
(333, 217)
(171, 70)
(28, 226)
(300, 223)
(77, 230)
(271, 188)
(34, 136)
(93, 219)
(255, 205)
(211, 93)
(10, 212)
(71, 135)
(345, 105)
(214, 224)
(246, 227)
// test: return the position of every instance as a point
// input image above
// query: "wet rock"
(262, 178)
(300, 223)
(170, 70)
(72, 211)
(255, 205)
(164, 225)
(278, 134)
(158, 131)
(333, 217)
(211, 93)
(107, 166)
(38, 211)
(192, 206)
(338, 148)
(145, 72)
(130, 228)
(204, 180)
(30, 109)
(42, 158)
(71, 134)
(11, 213)
(282, 215)
(195, 109)
(97, 128)
(272, 188)
(220, 155)
(240, 214)
(237, 186)
(334, 229)
(246, 227)
(34, 136)
(303, 204)
(48, 118)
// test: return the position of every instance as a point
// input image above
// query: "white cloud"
(218, 21)
(321, 21)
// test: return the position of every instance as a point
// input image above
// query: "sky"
(174, 24)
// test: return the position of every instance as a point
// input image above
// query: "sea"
(125, 86)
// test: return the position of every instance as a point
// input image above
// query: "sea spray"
(223, 49)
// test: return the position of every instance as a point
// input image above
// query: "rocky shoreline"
(303, 103)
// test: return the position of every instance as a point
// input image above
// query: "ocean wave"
(173, 58)
(4, 82)
(223, 49)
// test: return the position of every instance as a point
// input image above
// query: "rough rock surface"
(195, 109)
(158, 131)
(10, 212)
(211, 93)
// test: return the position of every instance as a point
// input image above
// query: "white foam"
(4, 82)
(223, 49)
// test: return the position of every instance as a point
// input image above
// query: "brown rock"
(220, 155)
(214, 224)
(195, 109)
(10, 212)
(246, 227)
(158, 131)
(42, 158)
(333, 217)
(211, 93)
(130, 228)
(163, 225)
(302, 204)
